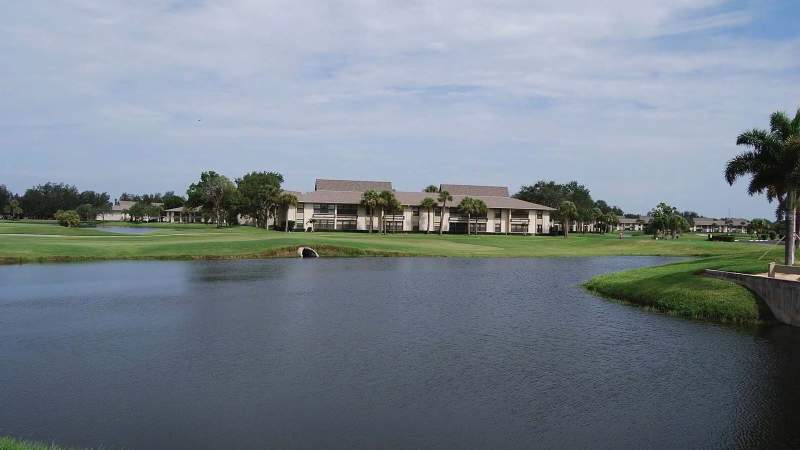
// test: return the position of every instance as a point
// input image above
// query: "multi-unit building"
(336, 205)
(729, 225)
(633, 223)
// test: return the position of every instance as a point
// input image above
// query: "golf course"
(677, 289)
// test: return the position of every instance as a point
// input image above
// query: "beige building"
(335, 205)
(728, 225)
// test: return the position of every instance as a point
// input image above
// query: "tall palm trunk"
(430, 211)
(566, 228)
(469, 222)
(791, 228)
(441, 219)
(287, 220)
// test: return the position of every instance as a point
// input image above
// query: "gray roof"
(184, 209)
(352, 185)
(624, 220)
(415, 198)
(707, 221)
(475, 190)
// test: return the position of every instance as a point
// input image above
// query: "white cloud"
(649, 91)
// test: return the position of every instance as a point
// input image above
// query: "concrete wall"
(781, 296)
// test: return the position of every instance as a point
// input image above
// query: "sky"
(640, 100)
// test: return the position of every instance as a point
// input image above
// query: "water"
(127, 230)
(376, 352)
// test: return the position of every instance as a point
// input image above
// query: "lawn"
(6, 443)
(676, 288)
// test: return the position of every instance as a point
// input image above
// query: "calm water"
(127, 230)
(376, 353)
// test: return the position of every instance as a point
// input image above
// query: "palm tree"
(773, 163)
(13, 209)
(467, 206)
(387, 203)
(567, 212)
(479, 210)
(611, 220)
(444, 197)
(369, 200)
(287, 200)
(428, 204)
(431, 188)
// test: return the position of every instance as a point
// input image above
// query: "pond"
(126, 230)
(381, 352)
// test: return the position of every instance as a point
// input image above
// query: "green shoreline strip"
(676, 289)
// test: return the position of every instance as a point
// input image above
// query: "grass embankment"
(6, 443)
(676, 288)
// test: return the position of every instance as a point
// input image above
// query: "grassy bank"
(676, 288)
(679, 289)
(6, 443)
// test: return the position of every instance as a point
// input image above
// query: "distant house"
(119, 211)
(633, 224)
(183, 214)
(726, 225)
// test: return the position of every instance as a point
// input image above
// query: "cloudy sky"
(641, 100)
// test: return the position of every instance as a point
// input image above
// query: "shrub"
(68, 218)
(722, 238)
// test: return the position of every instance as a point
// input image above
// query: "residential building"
(335, 205)
(725, 225)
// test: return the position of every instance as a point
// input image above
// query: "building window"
(539, 215)
(538, 229)
(498, 214)
(497, 228)
(438, 212)
(347, 210)
(519, 214)
(415, 211)
(323, 208)
(347, 225)
(394, 225)
(323, 225)
(519, 227)
(477, 227)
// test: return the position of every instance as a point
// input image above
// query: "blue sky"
(641, 100)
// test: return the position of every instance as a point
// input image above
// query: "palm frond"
(780, 125)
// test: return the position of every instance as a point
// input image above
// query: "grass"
(675, 288)
(7, 443)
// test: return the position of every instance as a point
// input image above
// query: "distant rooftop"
(475, 190)
(352, 185)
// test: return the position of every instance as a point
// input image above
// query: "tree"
(369, 200)
(429, 205)
(773, 163)
(260, 193)
(472, 207)
(138, 211)
(759, 226)
(431, 188)
(13, 208)
(467, 207)
(67, 218)
(552, 194)
(666, 218)
(611, 219)
(567, 212)
(388, 204)
(214, 192)
(172, 200)
(287, 200)
(153, 211)
(444, 197)
(44, 200)
(5, 197)
(598, 218)
(86, 212)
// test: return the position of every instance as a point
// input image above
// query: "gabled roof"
(475, 190)
(415, 198)
(352, 185)
(624, 220)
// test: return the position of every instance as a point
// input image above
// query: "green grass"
(7, 443)
(676, 288)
